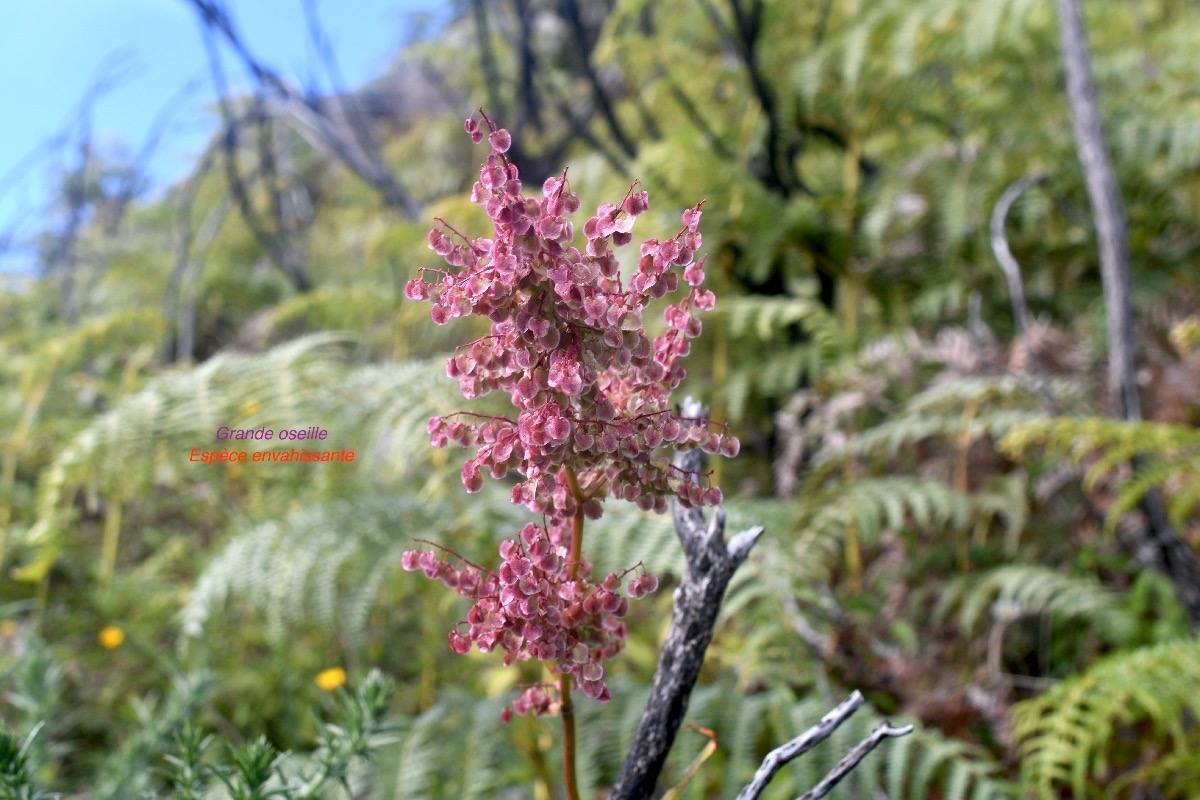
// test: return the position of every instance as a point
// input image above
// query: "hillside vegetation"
(960, 521)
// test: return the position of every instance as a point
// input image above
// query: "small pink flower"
(500, 141)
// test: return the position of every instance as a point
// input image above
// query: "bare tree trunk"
(711, 562)
(1169, 554)
(1108, 209)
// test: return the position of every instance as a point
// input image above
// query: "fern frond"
(796, 337)
(1176, 774)
(421, 751)
(1116, 440)
(143, 443)
(320, 563)
(876, 504)
(1026, 589)
(146, 439)
(1170, 454)
(1004, 391)
(1067, 735)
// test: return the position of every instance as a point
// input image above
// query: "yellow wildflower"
(331, 679)
(111, 637)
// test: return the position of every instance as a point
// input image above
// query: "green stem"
(564, 681)
(568, 724)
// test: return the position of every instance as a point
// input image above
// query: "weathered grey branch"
(711, 563)
(1012, 270)
(279, 250)
(580, 128)
(1108, 208)
(780, 756)
(1171, 555)
(348, 103)
(132, 180)
(885, 730)
(77, 190)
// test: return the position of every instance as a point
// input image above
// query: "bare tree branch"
(60, 260)
(527, 92)
(189, 293)
(118, 202)
(1012, 270)
(350, 108)
(782, 755)
(1172, 555)
(1108, 208)
(312, 122)
(184, 235)
(280, 239)
(747, 23)
(487, 59)
(711, 563)
(229, 136)
(60, 257)
(274, 161)
(580, 129)
(885, 730)
(570, 10)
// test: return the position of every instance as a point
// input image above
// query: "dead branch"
(571, 12)
(60, 259)
(131, 181)
(711, 563)
(1012, 270)
(747, 26)
(1170, 554)
(782, 755)
(189, 295)
(885, 730)
(527, 92)
(351, 110)
(312, 122)
(179, 299)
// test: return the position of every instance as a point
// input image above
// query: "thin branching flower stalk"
(591, 393)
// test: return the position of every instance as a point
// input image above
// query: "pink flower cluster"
(592, 394)
(533, 607)
(568, 345)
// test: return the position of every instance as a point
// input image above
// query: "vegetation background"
(952, 508)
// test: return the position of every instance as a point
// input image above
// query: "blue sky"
(51, 52)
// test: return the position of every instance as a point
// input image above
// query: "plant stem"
(568, 725)
(564, 681)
